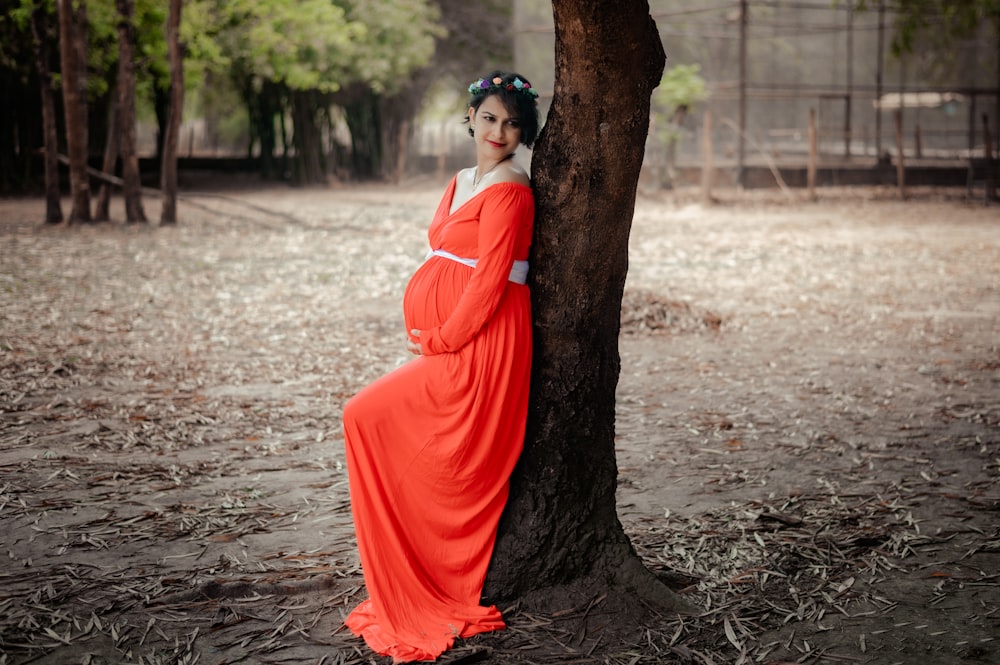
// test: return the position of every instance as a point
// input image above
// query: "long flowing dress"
(431, 445)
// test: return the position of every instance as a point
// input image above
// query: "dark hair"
(517, 100)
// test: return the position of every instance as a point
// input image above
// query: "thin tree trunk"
(900, 156)
(40, 33)
(813, 156)
(168, 170)
(102, 211)
(72, 51)
(990, 184)
(396, 113)
(677, 125)
(560, 527)
(126, 108)
(707, 153)
(402, 138)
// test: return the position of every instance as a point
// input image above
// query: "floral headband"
(483, 86)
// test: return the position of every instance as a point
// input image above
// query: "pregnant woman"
(431, 446)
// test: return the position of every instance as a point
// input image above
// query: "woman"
(430, 446)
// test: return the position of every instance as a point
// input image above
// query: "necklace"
(477, 179)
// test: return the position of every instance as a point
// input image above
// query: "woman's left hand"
(414, 346)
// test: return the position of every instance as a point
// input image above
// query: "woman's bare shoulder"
(511, 171)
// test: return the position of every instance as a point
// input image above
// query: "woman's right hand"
(413, 343)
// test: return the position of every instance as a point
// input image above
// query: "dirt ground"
(808, 429)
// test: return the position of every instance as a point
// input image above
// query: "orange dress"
(431, 445)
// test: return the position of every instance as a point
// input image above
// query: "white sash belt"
(518, 272)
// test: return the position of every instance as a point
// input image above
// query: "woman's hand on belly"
(413, 343)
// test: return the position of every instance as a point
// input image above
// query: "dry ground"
(808, 432)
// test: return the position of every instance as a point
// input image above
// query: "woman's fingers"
(414, 346)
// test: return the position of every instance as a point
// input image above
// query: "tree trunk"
(996, 105)
(676, 127)
(102, 210)
(132, 183)
(72, 52)
(161, 109)
(168, 170)
(364, 122)
(40, 33)
(396, 113)
(560, 528)
(263, 107)
(307, 166)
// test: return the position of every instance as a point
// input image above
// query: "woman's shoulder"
(511, 192)
(512, 172)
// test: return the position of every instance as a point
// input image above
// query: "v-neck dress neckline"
(449, 195)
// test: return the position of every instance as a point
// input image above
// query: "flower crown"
(483, 86)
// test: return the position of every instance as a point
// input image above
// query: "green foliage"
(304, 45)
(681, 89)
(681, 86)
(18, 14)
(316, 45)
(201, 25)
(287, 58)
(15, 36)
(102, 39)
(102, 46)
(399, 39)
(151, 38)
(264, 40)
(940, 21)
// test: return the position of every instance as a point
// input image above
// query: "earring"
(472, 132)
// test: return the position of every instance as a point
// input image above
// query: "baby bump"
(433, 292)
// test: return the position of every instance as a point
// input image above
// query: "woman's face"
(497, 132)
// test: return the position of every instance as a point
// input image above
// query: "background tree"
(283, 56)
(387, 88)
(473, 39)
(168, 168)
(680, 89)
(132, 183)
(72, 49)
(102, 209)
(20, 110)
(302, 60)
(560, 527)
(102, 80)
(43, 38)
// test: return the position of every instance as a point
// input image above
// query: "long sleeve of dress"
(505, 212)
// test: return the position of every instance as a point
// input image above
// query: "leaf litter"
(172, 488)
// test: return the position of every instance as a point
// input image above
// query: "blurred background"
(326, 91)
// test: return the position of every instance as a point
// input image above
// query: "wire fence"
(771, 64)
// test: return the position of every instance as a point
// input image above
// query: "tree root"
(635, 577)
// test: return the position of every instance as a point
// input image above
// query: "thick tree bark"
(560, 527)
(132, 183)
(40, 33)
(168, 169)
(72, 51)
